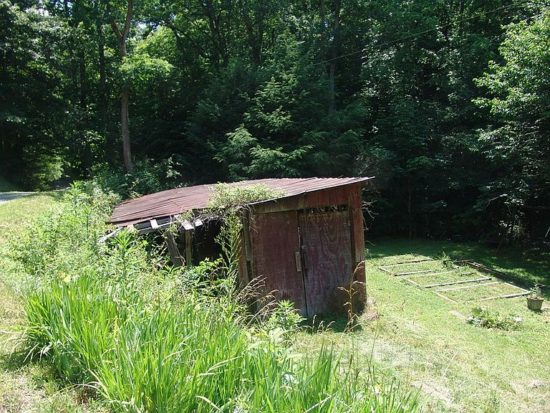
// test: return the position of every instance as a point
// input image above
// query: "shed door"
(326, 252)
(276, 248)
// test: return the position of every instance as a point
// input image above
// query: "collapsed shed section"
(307, 244)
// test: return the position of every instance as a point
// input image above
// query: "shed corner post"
(358, 282)
(188, 247)
(245, 254)
(173, 249)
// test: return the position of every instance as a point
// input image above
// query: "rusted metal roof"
(179, 200)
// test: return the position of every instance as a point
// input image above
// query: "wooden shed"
(307, 244)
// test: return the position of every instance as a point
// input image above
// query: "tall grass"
(184, 355)
(148, 342)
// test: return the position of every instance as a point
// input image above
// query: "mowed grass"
(426, 340)
(25, 387)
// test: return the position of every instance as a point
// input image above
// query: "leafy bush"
(285, 318)
(66, 237)
(148, 176)
(205, 272)
(226, 196)
(446, 260)
(112, 317)
(482, 317)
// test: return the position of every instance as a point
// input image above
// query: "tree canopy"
(446, 103)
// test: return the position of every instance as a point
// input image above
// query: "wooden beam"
(409, 262)
(458, 282)
(385, 270)
(445, 297)
(483, 268)
(412, 282)
(173, 250)
(469, 286)
(246, 237)
(187, 225)
(189, 247)
(400, 274)
(445, 272)
(506, 296)
(109, 235)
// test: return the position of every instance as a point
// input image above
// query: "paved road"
(8, 196)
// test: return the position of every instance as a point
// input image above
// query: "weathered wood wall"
(306, 247)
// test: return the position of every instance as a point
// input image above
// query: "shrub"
(65, 238)
(227, 196)
(482, 317)
(284, 318)
(149, 176)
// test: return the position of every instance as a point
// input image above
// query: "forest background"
(446, 103)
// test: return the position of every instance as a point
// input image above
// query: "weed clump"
(482, 317)
(226, 196)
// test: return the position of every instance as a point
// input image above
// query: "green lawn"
(25, 387)
(408, 331)
(425, 340)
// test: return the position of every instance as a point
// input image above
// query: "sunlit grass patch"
(426, 339)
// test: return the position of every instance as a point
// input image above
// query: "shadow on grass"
(334, 324)
(14, 360)
(522, 266)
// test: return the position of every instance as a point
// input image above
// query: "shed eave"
(174, 202)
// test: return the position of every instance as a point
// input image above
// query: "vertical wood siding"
(275, 242)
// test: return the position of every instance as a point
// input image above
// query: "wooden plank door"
(326, 252)
(276, 255)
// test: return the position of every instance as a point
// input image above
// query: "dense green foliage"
(445, 102)
(141, 334)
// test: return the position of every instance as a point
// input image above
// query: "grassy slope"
(413, 333)
(24, 387)
(426, 340)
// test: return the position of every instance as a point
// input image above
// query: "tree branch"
(129, 12)
(117, 32)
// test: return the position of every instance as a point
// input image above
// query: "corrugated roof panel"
(179, 200)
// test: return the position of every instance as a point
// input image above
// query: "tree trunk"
(125, 131)
(102, 71)
(334, 46)
(122, 36)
